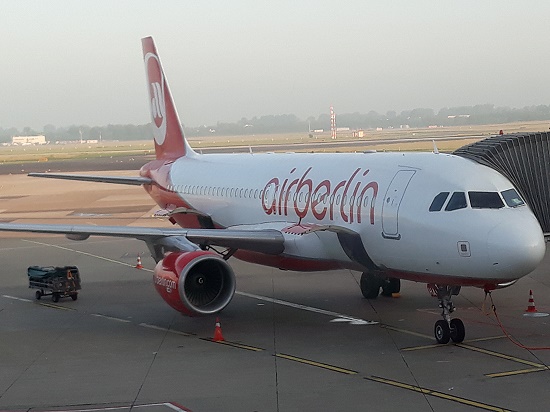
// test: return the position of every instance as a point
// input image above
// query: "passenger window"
(439, 201)
(512, 198)
(457, 201)
(485, 200)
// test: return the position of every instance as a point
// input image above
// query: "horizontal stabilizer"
(121, 180)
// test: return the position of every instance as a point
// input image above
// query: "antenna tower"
(332, 123)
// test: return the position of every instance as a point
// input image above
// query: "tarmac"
(293, 341)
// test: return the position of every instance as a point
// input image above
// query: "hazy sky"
(80, 62)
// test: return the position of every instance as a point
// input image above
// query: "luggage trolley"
(58, 282)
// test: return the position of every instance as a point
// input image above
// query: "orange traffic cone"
(218, 337)
(531, 306)
(139, 265)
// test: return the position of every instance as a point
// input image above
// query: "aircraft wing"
(138, 181)
(268, 241)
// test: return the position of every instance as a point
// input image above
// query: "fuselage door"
(392, 201)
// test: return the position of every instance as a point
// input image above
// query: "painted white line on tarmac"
(168, 405)
(339, 316)
(84, 253)
(99, 315)
(16, 298)
(155, 327)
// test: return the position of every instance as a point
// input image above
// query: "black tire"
(442, 332)
(391, 286)
(74, 296)
(458, 331)
(55, 297)
(370, 285)
(38, 295)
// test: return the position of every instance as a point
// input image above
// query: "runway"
(293, 341)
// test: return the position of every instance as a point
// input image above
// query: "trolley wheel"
(74, 296)
(38, 295)
(55, 297)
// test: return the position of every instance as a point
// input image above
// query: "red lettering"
(334, 198)
(269, 209)
(282, 193)
(344, 196)
(293, 183)
(318, 198)
(352, 191)
(352, 200)
(301, 184)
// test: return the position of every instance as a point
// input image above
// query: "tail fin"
(169, 140)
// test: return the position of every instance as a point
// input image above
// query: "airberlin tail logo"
(155, 80)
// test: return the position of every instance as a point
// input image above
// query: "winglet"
(167, 130)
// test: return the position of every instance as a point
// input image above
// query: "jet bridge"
(524, 158)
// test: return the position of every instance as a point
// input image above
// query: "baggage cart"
(57, 282)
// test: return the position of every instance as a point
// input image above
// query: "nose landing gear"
(447, 328)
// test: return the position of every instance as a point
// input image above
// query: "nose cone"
(516, 247)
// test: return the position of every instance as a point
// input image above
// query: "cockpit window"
(512, 198)
(438, 201)
(485, 200)
(457, 201)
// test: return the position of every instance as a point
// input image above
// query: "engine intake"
(195, 283)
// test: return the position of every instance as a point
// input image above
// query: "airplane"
(435, 218)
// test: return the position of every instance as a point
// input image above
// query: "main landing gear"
(447, 328)
(371, 283)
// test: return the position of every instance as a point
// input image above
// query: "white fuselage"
(383, 197)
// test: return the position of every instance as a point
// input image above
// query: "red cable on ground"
(510, 338)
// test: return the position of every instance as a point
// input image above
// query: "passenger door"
(392, 201)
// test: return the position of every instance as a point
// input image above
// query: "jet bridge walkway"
(524, 158)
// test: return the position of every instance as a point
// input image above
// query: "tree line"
(286, 123)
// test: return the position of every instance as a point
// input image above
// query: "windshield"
(512, 198)
(485, 200)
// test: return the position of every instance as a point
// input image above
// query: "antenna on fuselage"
(436, 151)
(250, 149)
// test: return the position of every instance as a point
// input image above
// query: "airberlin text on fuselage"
(301, 195)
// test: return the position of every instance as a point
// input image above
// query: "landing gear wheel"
(38, 295)
(55, 297)
(442, 332)
(458, 332)
(391, 286)
(74, 296)
(370, 285)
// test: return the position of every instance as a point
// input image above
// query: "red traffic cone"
(139, 265)
(218, 337)
(531, 306)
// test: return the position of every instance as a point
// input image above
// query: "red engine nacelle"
(195, 283)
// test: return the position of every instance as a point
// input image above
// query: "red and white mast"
(332, 123)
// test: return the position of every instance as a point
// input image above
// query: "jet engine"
(195, 283)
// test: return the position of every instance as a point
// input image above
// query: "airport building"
(27, 140)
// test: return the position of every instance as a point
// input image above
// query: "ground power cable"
(388, 332)
(153, 361)
(401, 353)
(508, 335)
(273, 324)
